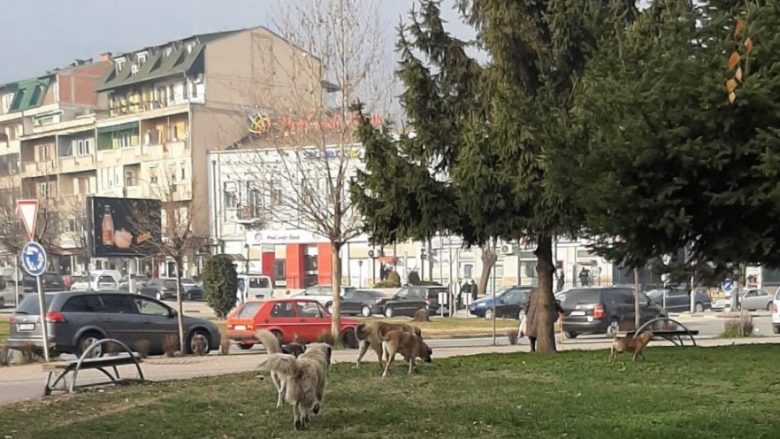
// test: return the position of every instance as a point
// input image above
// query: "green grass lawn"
(677, 393)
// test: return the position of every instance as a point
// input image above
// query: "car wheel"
(389, 312)
(245, 346)
(613, 328)
(87, 340)
(349, 339)
(698, 307)
(571, 334)
(489, 314)
(198, 343)
(365, 311)
(769, 306)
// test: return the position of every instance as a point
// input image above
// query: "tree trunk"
(489, 258)
(179, 306)
(545, 300)
(335, 261)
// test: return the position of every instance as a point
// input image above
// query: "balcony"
(77, 164)
(250, 216)
(40, 168)
(166, 150)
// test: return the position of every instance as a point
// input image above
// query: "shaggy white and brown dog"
(272, 346)
(303, 380)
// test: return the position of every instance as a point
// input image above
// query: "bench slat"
(92, 363)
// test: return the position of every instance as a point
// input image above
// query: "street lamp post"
(246, 247)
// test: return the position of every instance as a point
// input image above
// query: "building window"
(275, 191)
(280, 269)
(133, 69)
(182, 172)
(153, 174)
(529, 269)
(72, 225)
(231, 198)
(141, 59)
(120, 64)
(131, 178)
(43, 190)
(84, 147)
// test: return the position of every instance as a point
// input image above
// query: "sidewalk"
(20, 383)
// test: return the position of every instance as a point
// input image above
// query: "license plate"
(240, 327)
(25, 326)
(577, 313)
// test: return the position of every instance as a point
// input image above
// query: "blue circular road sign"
(728, 285)
(33, 259)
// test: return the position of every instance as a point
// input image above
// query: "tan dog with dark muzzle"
(635, 345)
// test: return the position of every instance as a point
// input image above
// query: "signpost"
(34, 263)
(728, 287)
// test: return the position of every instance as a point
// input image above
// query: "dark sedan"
(75, 320)
(160, 289)
(358, 302)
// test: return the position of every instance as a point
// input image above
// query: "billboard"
(123, 227)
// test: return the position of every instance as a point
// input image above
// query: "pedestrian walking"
(532, 313)
(584, 277)
(474, 289)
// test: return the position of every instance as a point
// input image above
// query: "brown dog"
(409, 345)
(372, 334)
(635, 344)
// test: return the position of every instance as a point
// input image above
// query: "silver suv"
(77, 319)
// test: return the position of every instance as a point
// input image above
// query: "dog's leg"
(612, 354)
(390, 357)
(363, 349)
(279, 384)
(411, 365)
(379, 349)
(297, 421)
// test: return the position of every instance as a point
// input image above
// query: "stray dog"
(271, 344)
(635, 344)
(409, 345)
(303, 379)
(372, 334)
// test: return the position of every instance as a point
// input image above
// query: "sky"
(39, 35)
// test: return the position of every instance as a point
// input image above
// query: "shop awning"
(388, 260)
(118, 127)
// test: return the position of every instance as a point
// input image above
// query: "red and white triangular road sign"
(28, 210)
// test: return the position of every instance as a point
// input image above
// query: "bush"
(220, 284)
(736, 328)
(393, 279)
(414, 278)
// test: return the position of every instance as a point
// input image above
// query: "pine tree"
(673, 161)
(485, 135)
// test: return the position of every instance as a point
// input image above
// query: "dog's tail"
(362, 332)
(269, 340)
(283, 364)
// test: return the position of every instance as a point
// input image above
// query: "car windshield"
(186, 280)
(29, 304)
(75, 279)
(249, 310)
(259, 282)
(581, 296)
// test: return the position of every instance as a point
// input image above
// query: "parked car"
(321, 293)
(679, 299)
(140, 281)
(256, 287)
(7, 297)
(193, 293)
(775, 308)
(160, 289)
(2, 282)
(509, 302)
(604, 310)
(75, 320)
(302, 320)
(406, 302)
(755, 299)
(50, 281)
(357, 302)
(79, 283)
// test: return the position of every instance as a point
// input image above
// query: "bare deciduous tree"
(304, 155)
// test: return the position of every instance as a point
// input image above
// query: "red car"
(301, 320)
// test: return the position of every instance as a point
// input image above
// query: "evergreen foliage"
(220, 284)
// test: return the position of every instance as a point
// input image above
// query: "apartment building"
(140, 124)
(47, 139)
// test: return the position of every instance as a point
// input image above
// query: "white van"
(256, 287)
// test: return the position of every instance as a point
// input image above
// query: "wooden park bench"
(667, 334)
(61, 369)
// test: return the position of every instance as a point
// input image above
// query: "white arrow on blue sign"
(33, 259)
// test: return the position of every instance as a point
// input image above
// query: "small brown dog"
(635, 344)
(411, 346)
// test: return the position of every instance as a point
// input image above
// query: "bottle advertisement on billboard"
(124, 226)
